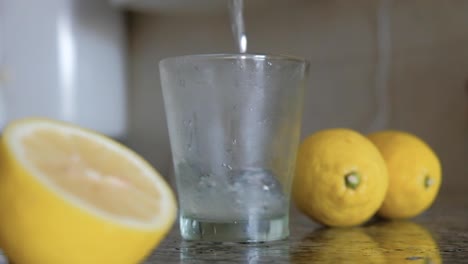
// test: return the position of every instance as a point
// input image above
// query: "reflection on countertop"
(439, 235)
(381, 242)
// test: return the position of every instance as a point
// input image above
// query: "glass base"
(251, 230)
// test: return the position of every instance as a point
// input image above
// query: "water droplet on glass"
(234, 141)
(265, 121)
(227, 166)
(190, 133)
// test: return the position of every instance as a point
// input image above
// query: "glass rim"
(236, 56)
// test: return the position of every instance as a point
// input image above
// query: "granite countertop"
(439, 235)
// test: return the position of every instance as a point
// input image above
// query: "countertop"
(440, 235)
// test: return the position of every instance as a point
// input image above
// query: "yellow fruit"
(414, 174)
(403, 241)
(340, 245)
(341, 178)
(68, 195)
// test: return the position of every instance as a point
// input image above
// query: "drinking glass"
(234, 124)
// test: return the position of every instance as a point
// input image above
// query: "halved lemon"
(70, 195)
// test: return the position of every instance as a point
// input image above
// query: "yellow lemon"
(341, 178)
(403, 241)
(414, 174)
(340, 245)
(69, 195)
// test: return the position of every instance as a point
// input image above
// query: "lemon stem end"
(428, 181)
(352, 180)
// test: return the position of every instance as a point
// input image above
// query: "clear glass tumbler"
(234, 124)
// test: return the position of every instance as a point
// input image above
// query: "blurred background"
(375, 64)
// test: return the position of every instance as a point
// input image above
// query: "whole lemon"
(340, 178)
(414, 174)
